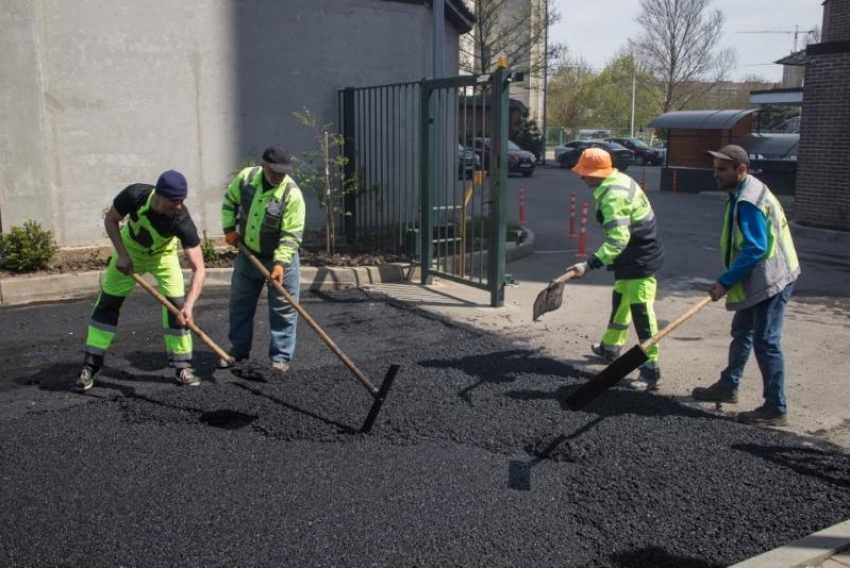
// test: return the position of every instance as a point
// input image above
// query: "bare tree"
(513, 28)
(678, 44)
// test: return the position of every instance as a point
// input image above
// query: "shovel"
(626, 363)
(551, 298)
(378, 394)
(173, 309)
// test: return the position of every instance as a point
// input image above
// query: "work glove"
(580, 269)
(232, 238)
(277, 274)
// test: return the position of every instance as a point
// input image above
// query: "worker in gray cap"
(761, 269)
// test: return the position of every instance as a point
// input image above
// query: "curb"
(810, 550)
(821, 234)
(74, 285)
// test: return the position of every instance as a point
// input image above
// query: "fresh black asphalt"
(474, 460)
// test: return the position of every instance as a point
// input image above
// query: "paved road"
(474, 460)
(817, 329)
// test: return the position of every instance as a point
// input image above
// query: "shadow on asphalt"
(658, 558)
(831, 467)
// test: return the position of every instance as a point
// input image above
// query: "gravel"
(474, 459)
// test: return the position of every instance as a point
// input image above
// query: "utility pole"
(545, 74)
(634, 86)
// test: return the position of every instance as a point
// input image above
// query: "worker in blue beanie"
(155, 219)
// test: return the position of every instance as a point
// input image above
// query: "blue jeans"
(760, 327)
(245, 288)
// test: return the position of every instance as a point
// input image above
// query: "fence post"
(348, 134)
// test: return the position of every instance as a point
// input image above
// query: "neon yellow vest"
(779, 266)
(140, 236)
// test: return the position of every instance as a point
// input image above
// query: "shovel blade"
(549, 300)
(607, 378)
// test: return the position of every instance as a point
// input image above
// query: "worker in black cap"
(147, 242)
(761, 267)
(264, 209)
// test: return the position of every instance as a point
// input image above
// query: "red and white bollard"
(573, 215)
(582, 239)
(522, 204)
(673, 188)
(643, 179)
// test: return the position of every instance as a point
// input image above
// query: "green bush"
(27, 247)
(208, 249)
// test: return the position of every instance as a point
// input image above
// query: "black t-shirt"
(133, 198)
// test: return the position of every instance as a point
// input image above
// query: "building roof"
(798, 58)
(792, 97)
(701, 119)
(770, 145)
(456, 12)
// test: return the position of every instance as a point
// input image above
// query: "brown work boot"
(763, 416)
(718, 392)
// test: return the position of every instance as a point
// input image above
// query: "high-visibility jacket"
(632, 247)
(271, 222)
(779, 266)
(139, 235)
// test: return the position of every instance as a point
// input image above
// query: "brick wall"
(823, 169)
(836, 25)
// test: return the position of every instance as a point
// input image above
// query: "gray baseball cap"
(732, 153)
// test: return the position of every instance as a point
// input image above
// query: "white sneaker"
(281, 366)
(186, 376)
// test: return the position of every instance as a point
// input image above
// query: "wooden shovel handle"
(321, 333)
(174, 311)
(675, 323)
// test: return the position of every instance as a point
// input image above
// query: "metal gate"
(430, 164)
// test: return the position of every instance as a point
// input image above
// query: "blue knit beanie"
(172, 185)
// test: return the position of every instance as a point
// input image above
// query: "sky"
(595, 30)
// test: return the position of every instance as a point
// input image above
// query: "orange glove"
(232, 238)
(277, 273)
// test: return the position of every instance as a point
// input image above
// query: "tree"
(320, 169)
(514, 28)
(527, 135)
(566, 101)
(678, 45)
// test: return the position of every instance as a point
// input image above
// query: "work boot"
(186, 376)
(649, 381)
(86, 378)
(225, 364)
(763, 416)
(607, 355)
(281, 366)
(718, 392)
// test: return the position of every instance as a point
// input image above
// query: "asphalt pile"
(474, 459)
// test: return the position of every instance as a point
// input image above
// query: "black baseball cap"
(278, 159)
(732, 153)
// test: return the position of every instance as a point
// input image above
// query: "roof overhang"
(701, 119)
(790, 97)
(771, 146)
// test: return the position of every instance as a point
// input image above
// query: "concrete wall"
(98, 94)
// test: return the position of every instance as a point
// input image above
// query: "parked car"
(644, 155)
(519, 161)
(661, 148)
(467, 162)
(567, 155)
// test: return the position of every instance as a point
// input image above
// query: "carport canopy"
(770, 146)
(701, 119)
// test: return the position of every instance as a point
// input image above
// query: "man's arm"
(199, 273)
(112, 224)
(615, 223)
